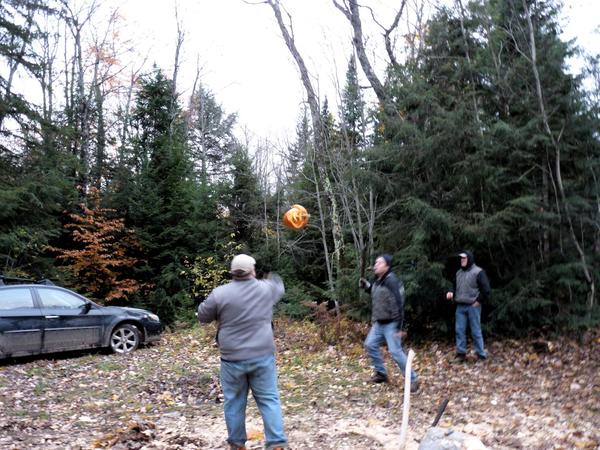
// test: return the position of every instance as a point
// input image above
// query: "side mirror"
(86, 308)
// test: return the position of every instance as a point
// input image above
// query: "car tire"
(124, 339)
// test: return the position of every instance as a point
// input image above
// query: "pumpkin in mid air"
(296, 217)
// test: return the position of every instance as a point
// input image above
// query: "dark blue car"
(36, 318)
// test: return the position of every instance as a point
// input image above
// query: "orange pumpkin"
(296, 217)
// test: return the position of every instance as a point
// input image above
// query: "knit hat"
(242, 265)
(387, 258)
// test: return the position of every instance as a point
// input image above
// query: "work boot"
(461, 357)
(414, 386)
(379, 378)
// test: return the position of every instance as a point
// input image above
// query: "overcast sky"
(244, 60)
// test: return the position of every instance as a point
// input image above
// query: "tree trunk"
(353, 15)
(319, 147)
(100, 160)
(178, 45)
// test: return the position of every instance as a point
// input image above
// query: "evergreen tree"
(164, 203)
(473, 167)
(297, 151)
(210, 136)
(353, 109)
(34, 193)
(552, 149)
(18, 34)
(244, 203)
(34, 187)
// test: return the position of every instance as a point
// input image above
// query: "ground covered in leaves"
(529, 394)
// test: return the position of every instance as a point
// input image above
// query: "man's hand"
(449, 295)
(363, 283)
(476, 304)
(401, 334)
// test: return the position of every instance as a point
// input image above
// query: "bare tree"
(47, 76)
(387, 32)
(415, 29)
(104, 82)
(350, 9)
(320, 149)
(80, 110)
(178, 45)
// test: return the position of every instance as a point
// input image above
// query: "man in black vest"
(387, 296)
(471, 290)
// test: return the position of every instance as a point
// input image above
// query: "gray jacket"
(471, 284)
(244, 310)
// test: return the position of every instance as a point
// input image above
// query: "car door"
(21, 323)
(68, 323)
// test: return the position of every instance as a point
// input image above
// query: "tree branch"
(352, 13)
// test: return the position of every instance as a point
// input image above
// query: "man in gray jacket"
(243, 309)
(387, 316)
(471, 290)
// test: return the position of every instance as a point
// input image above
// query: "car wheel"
(124, 339)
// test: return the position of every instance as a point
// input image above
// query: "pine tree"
(34, 192)
(244, 203)
(210, 136)
(164, 202)
(353, 109)
(473, 167)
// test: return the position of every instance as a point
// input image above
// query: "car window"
(15, 298)
(53, 298)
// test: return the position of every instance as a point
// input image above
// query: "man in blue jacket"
(244, 311)
(387, 316)
(471, 290)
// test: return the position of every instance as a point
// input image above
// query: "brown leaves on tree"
(103, 253)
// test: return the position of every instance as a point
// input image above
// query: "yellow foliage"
(207, 272)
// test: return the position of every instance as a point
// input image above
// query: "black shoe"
(482, 357)
(414, 386)
(461, 357)
(379, 378)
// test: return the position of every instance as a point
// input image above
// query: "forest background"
(477, 137)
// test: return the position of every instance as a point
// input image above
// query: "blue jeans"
(472, 315)
(260, 375)
(386, 333)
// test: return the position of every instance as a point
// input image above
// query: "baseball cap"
(242, 265)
